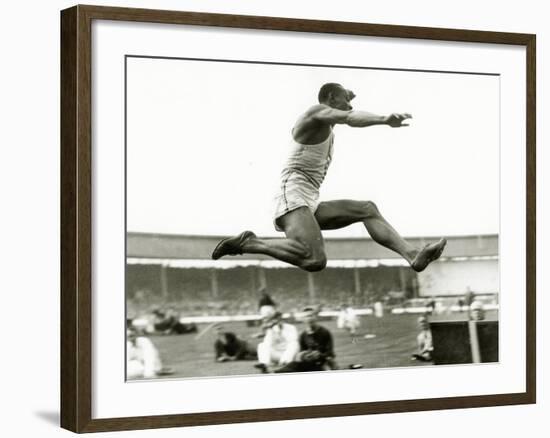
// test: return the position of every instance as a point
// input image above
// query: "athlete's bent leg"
(303, 247)
(338, 214)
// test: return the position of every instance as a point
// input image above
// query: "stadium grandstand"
(176, 271)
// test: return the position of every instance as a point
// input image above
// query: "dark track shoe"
(232, 245)
(428, 254)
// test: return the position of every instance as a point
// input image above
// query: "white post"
(474, 342)
(214, 283)
(357, 282)
(311, 286)
(163, 282)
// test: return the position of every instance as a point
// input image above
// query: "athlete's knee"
(312, 257)
(314, 264)
(369, 209)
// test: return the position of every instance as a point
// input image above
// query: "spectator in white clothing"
(424, 341)
(347, 319)
(142, 357)
(280, 344)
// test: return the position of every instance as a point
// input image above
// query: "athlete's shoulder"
(316, 109)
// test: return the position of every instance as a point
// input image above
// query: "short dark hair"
(327, 89)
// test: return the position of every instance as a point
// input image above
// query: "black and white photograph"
(289, 218)
(275, 218)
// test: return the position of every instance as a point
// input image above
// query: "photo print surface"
(286, 218)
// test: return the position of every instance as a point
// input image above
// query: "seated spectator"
(316, 347)
(280, 344)
(424, 341)
(168, 323)
(228, 346)
(142, 357)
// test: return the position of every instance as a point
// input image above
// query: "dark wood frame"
(76, 219)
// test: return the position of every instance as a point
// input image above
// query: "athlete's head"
(336, 96)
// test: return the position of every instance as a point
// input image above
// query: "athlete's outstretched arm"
(358, 119)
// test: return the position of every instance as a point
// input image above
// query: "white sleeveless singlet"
(302, 176)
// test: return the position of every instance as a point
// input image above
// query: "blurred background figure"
(469, 296)
(378, 309)
(477, 312)
(431, 305)
(266, 305)
(145, 322)
(316, 347)
(347, 319)
(228, 346)
(424, 341)
(167, 322)
(142, 357)
(280, 344)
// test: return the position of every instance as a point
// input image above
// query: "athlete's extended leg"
(338, 214)
(303, 247)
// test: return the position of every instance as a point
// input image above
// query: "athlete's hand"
(395, 120)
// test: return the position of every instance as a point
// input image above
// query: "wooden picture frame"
(76, 217)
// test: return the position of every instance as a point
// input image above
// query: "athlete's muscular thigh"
(332, 215)
(301, 225)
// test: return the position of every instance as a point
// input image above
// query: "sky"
(206, 142)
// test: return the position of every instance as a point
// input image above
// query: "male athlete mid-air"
(300, 214)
